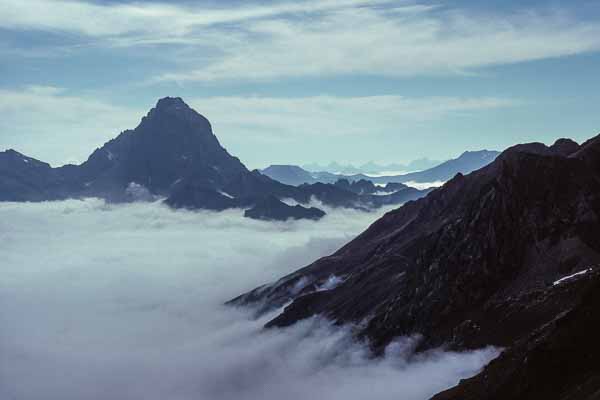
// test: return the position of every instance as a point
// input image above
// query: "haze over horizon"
(276, 78)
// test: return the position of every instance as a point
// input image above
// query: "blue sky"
(302, 81)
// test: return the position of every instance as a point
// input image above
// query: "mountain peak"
(169, 102)
(175, 107)
(171, 110)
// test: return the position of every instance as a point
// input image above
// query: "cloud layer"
(100, 301)
(312, 38)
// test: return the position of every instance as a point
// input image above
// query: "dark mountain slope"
(558, 361)
(467, 266)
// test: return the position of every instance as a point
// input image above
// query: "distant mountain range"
(173, 154)
(372, 167)
(508, 256)
(467, 162)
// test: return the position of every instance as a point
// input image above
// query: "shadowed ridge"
(467, 266)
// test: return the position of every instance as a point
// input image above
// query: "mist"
(103, 301)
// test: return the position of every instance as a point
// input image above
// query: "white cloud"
(376, 42)
(132, 308)
(314, 38)
(155, 22)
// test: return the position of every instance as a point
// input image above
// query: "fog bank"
(104, 302)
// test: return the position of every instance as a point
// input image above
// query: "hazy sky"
(302, 81)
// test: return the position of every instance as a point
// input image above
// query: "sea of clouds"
(105, 301)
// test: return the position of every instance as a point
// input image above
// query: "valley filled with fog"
(101, 301)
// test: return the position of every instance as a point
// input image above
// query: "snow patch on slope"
(569, 277)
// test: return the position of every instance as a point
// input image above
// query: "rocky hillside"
(556, 361)
(490, 258)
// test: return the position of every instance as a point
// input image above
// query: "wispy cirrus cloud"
(313, 38)
(153, 21)
(378, 42)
